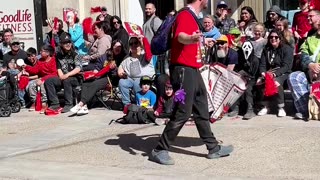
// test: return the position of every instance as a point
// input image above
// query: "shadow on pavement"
(132, 143)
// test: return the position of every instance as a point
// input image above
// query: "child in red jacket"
(45, 68)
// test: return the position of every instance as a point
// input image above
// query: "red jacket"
(44, 69)
(301, 23)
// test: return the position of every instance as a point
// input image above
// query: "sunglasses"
(15, 44)
(221, 43)
(116, 22)
(271, 37)
(134, 43)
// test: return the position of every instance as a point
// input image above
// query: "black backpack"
(135, 115)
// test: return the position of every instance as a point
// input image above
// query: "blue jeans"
(125, 85)
(21, 94)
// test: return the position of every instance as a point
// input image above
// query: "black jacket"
(280, 58)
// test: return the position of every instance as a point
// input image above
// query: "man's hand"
(113, 66)
(209, 42)
(64, 76)
(156, 113)
(39, 82)
(123, 75)
(296, 35)
(196, 36)
(314, 68)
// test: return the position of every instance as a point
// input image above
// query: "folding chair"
(113, 95)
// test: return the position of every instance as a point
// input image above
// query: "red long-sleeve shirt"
(301, 23)
(44, 69)
(147, 49)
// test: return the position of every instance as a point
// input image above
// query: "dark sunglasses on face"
(116, 22)
(271, 37)
(15, 44)
(221, 43)
(134, 43)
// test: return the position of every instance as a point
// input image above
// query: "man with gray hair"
(152, 22)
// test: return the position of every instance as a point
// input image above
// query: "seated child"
(146, 98)
(165, 105)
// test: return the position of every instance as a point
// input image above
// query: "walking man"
(186, 58)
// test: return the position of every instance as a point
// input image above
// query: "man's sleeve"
(182, 24)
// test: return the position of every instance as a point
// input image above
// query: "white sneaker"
(83, 111)
(281, 112)
(263, 111)
(75, 109)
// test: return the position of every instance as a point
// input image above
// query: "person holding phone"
(222, 20)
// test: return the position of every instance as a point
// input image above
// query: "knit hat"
(275, 9)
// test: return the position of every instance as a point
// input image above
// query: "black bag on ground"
(136, 115)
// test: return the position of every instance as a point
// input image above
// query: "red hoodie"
(44, 69)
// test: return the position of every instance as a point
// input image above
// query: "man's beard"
(221, 53)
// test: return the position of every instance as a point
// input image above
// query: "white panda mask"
(247, 49)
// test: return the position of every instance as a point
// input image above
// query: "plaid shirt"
(225, 25)
(300, 88)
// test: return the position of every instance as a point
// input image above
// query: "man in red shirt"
(187, 55)
(300, 24)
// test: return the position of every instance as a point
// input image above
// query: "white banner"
(19, 16)
(224, 88)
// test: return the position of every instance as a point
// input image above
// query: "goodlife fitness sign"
(18, 15)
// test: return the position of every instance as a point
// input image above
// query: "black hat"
(103, 8)
(65, 38)
(145, 80)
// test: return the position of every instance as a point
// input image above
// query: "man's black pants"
(195, 102)
(54, 83)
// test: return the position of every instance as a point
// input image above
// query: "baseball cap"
(223, 38)
(15, 40)
(222, 4)
(65, 38)
(103, 8)
(145, 80)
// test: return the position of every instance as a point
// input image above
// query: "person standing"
(104, 16)
(152, 22)
(186, 58)
(300, 24)
(222, 21)
(7, 40)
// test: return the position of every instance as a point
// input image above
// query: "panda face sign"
(247, 49)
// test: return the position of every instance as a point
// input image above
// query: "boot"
(250, 114)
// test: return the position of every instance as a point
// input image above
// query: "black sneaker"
(161, 157)
(66, 108)
(223, 152)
